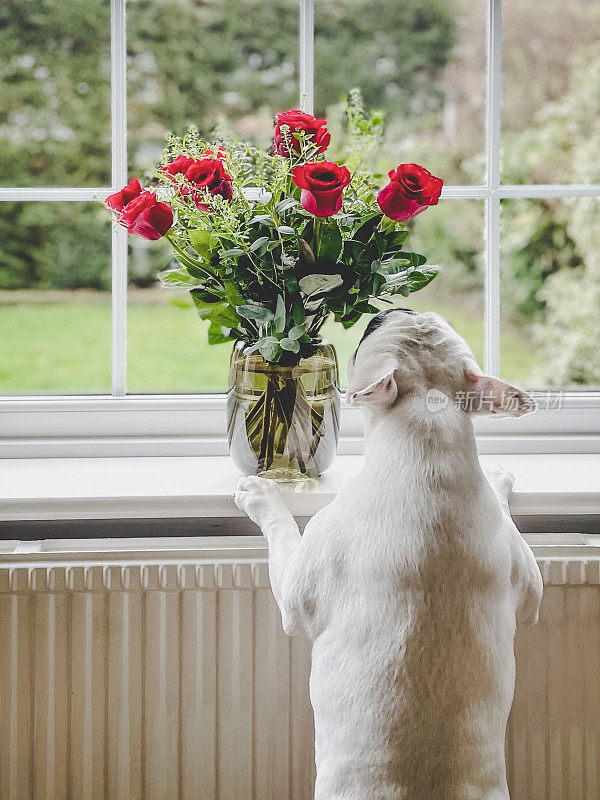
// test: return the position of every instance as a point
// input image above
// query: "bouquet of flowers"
(271, 244)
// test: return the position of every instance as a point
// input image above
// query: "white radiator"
(123, 679)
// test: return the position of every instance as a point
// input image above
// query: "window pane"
(168, 350)
(550, 285)
(419, 62)
(451, 235)
(55, 324)
(225, 63)
(55, 93)
(551, 91)
(231, 63)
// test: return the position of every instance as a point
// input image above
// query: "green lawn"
(65, 347)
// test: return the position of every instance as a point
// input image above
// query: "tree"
(205, 62)
(564, 280)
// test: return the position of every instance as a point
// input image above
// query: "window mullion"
(119, 179)
(307, 55)
(492, 286)
(492, 205)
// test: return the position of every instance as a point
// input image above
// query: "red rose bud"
(322, 185)
(209, 174)
(296, 121)
(146, 217)
(117, 201)
(411, 190)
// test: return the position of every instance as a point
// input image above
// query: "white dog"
(411, 582)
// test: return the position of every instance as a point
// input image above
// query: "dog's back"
(413, 670)
(410, 582)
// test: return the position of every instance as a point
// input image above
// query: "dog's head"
(404, 354)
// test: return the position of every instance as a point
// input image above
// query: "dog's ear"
(487, 395)
(381, 392)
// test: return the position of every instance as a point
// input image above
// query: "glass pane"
(451, 235)
(168, 350)
(225, 63)
(55, 323)
(421, 63)
(550, 293)
(55, 93)
(551, 91)
(229, 64)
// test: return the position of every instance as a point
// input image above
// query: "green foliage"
(72, 246)
(552, 246)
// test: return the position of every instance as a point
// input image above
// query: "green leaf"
(364, 232)
(219, 334)
(329, 241)
(221, 313)
(263, 219)
(297, 331)
(269, 348)
(392, 266)
(366, 308)
(414, 259)
(255, 312)
(354, 249)
(313, 284)
(205, 296)
(285, 205)
(422, 279)
(177, 277)
(232, 252)
(285, 230)
(232, 293)
(351, 319)
(399, 238)
(298, 314)
(290, 344)
(279, 319)
(258, 243)
(197, 272)
(204, 243)
(377, 282)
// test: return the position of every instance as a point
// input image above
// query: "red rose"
(209, 174)
(178, 165)
(411, 190)
(117, 201)
(299, 121)
(322, 184)
(146, 217)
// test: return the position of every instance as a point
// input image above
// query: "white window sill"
(179, 487)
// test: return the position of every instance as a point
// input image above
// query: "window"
(498, 99)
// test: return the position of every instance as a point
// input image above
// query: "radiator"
(173, 680)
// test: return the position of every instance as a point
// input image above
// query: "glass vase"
(283, 419)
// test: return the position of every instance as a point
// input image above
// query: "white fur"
(409, 584)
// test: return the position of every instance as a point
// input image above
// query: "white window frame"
(122, 424)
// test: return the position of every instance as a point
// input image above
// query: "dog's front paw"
(261, 500)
